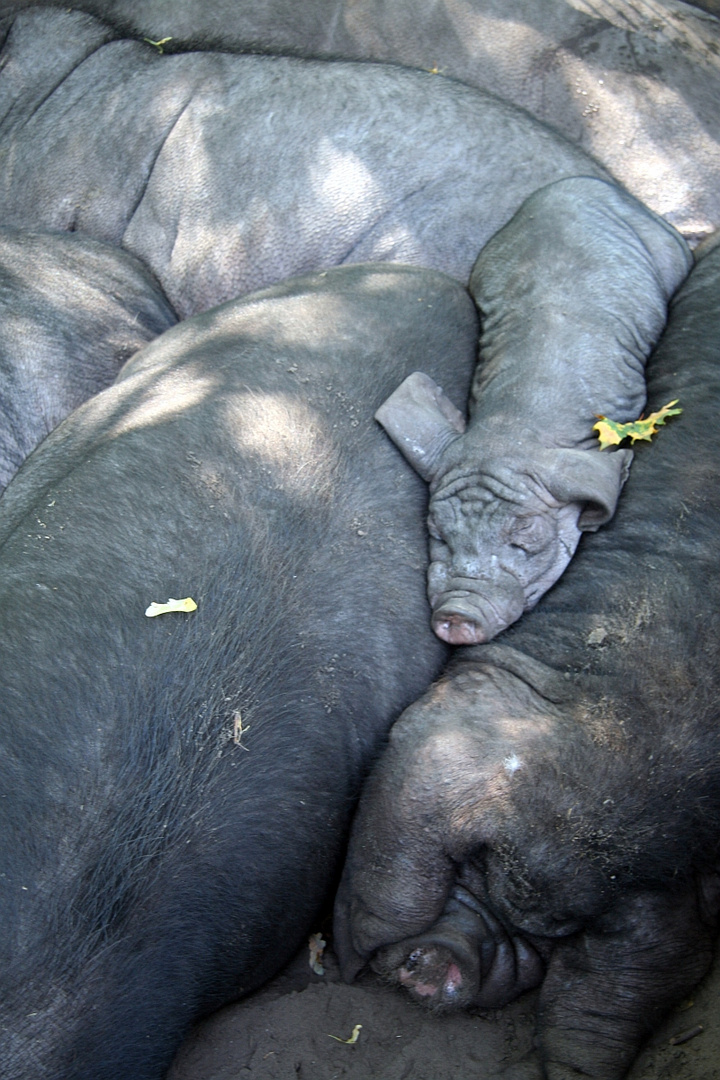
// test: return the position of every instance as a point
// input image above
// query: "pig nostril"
(413, 960)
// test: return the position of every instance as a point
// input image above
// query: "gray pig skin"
(573, 293)
(153, 865)
(227, 173)
(550, 810)
(634, 83)
(72, 311)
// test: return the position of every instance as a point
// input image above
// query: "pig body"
(176, 790)
(226, 173)
(633, 84)
(549, 812)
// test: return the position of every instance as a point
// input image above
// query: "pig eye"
(530, 534)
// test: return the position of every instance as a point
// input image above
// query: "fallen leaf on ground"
(353, 1038)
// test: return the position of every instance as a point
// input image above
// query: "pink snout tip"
(458, 630)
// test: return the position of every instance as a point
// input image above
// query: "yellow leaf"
(610, 433)
(158, 44)
(188, 604)
(353, 1038)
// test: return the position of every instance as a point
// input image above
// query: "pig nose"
(438, 580)
(477, 612)
(458, 626)
(451, 574)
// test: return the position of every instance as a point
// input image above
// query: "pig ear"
(421, 421)
(592, 477)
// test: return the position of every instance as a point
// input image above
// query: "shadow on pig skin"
(225, 173)
(567, 776)
(636, 85)
(176, 791)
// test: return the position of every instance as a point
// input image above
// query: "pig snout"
(472, 611)
(467, 958)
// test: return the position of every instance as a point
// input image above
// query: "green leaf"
(610, 433)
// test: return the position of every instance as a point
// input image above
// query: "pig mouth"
(465, 617)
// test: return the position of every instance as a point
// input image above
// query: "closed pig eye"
(530, 534)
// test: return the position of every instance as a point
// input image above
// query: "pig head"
(573, 295)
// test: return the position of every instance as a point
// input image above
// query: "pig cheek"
(532, 571)
(530, 554)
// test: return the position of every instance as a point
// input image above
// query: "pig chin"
(473, 618)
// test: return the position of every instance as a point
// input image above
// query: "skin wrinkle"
(387, 212)
(490, 488)
(142, 189)
(66, 75)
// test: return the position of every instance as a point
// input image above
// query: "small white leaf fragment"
(317, 948)
(353, 1038)
(188, 604)
(239, 730)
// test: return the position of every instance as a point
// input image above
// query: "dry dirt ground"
(283, 1033)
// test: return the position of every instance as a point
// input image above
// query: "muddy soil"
(283, 1033)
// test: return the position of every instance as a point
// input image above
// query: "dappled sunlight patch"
(174, 393)
(482, 34)
(286, 435)
(647, 133)
(397, 243)
(341, 179)
(283, 321)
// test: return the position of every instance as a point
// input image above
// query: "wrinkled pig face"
(490, 558)
(506, 510)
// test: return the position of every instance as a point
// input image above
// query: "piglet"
(573, 294)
